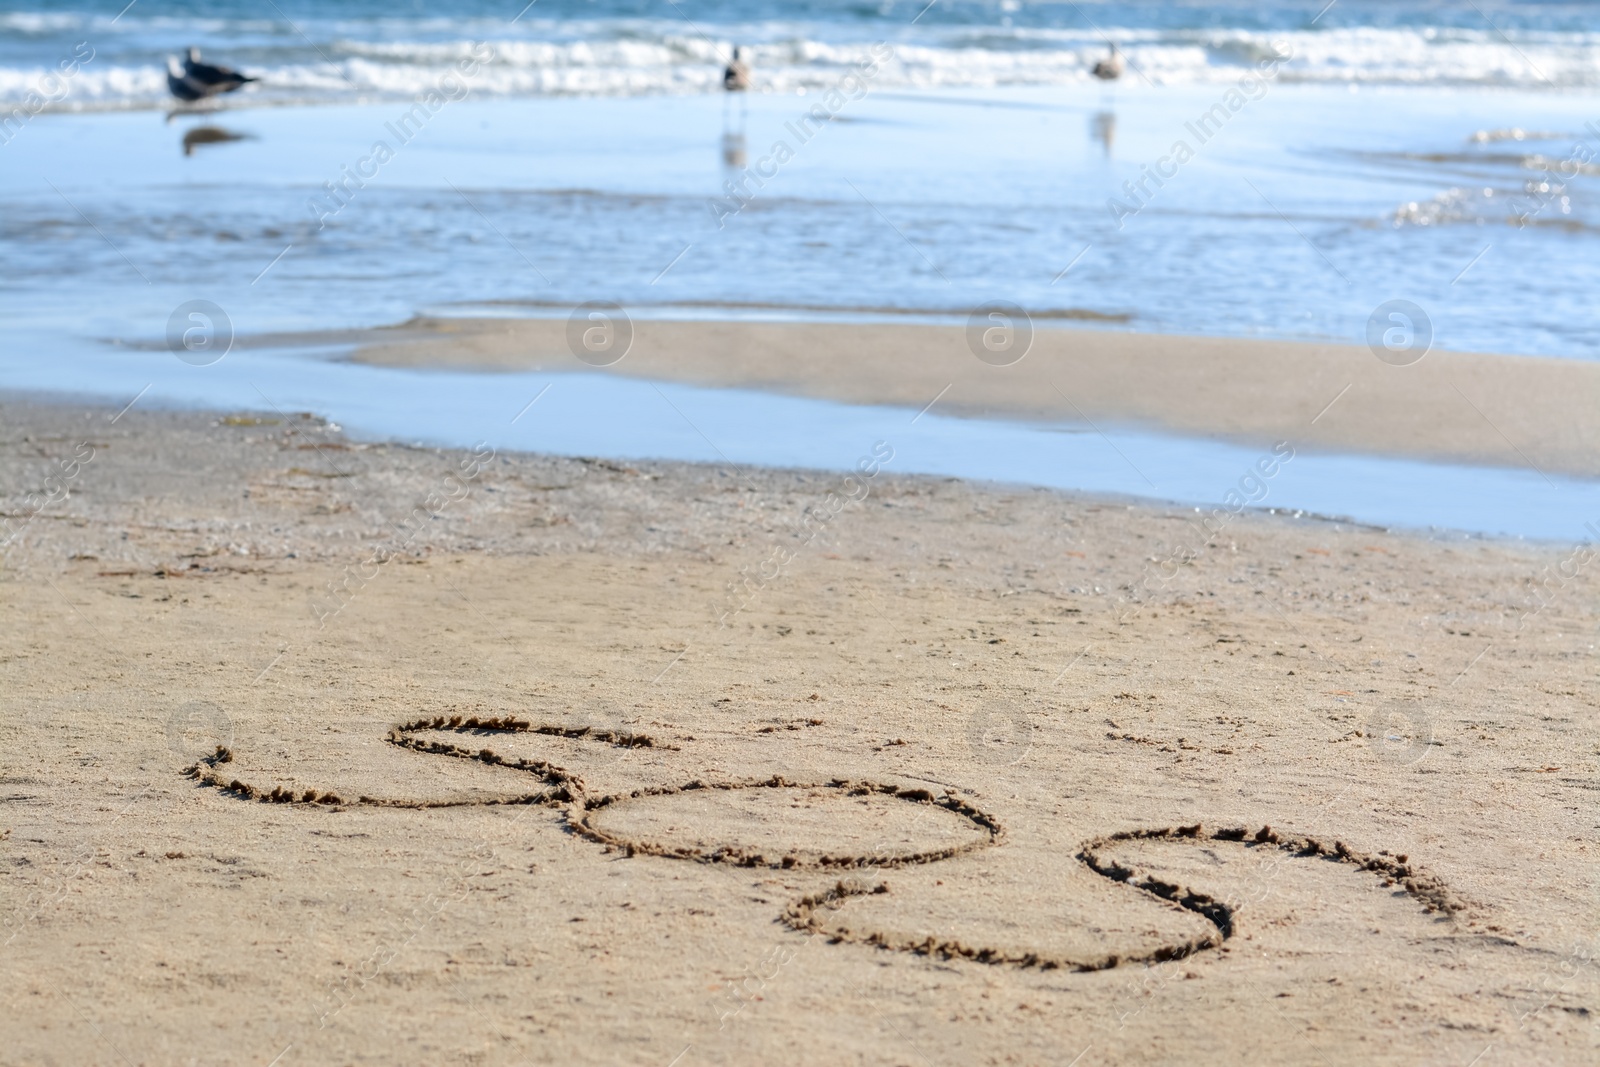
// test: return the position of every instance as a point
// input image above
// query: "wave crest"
(639, 58)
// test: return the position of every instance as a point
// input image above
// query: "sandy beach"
(706, 765)
(801, 533)
(1457, 407)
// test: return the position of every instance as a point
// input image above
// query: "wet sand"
(958, 692)
(1495, 410)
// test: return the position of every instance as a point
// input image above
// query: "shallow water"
(591, 414)
(1307, 210)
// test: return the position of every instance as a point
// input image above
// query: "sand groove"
(992, 831)
(1426, 889)
(809, 913)
(567, 789)
(565, 786)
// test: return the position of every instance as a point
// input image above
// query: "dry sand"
(1516, 411)
(996, 665)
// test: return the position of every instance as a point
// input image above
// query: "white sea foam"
(641, 58)
(37, 23)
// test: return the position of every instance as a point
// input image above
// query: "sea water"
(1261, 170)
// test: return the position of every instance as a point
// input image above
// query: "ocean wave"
(636, 57)
(39, 23)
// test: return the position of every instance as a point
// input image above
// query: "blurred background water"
(1398, 143)
(1445, 154)
(311, 50)
(1311, 207)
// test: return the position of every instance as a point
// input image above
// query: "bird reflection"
(736, 79)
(201, 135)
(1103, 128)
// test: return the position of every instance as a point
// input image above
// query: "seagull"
(1109, 69)
(194, 80)
(736, 79)
(179, 84)
(217, 79)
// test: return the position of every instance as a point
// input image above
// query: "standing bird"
(180, 85)
(736, 78)
(1109, 69)
(195, 80)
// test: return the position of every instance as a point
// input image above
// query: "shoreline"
(626, 420)
(1527, 412)
(1199, 512)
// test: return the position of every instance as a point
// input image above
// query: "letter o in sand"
(837, 825)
